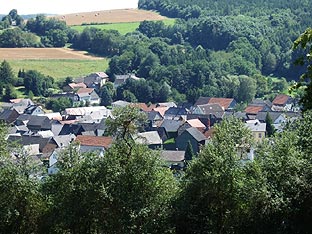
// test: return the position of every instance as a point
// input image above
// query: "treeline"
(130, 190)
(34, 82)
(37, 32)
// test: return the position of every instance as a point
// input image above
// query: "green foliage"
(7, 76)
(37, 83)
(210, 198)
(304, 42)
(269, 125)
(65, 67)
(60, 104)
(12, 38)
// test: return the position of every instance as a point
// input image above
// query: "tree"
(60, 104)
(9, 93)
(210, 198)
(6, 74)
(269, 125)
(304, 42)
(21, 203)
(106, 97)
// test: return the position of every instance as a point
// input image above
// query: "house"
(151, 139)
(53, 116)
(258, 129)
(166, 104)
(96, 80)
(282, 102)
(225, 103)
(39, 123)
(173, 158)
(192, 123)
(121, 79)
(46, 146)
(209, 109)
(279, 119)
(18, 104)
(34, 110)
(171, 126)
(79, 112)
(154, 119)
(176, 113)
(258, 105)
(192, 135)
(9, 116)
(72, 87)
(88, 95)
(120, 103)
(161, 110)
(97, 144)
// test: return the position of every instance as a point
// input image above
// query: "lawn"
(122, 28)
(60, 68)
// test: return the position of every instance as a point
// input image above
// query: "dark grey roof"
(202, 101)
(176, 111)
(9, 116)
(261, 116)
(171, 125)
(30, 140)
(39, 121)
(198, 136)
(172, 155)
(30, 109)
(153, 114)
(261, 102)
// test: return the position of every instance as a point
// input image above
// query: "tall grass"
(61, 68)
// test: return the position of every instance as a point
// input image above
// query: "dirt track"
(110, 16)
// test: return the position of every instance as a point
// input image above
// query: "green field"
(61, 68)
(122, 28)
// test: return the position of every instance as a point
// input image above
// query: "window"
(260, 135)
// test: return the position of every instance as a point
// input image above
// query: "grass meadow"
(60, 68)
(122, 28)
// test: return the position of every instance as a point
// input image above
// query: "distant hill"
(109, 16)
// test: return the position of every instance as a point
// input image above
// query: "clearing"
(109, 16)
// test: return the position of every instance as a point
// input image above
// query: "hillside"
(109, 16)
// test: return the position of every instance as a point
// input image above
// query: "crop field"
(44, 53)
(109, 16)
(58, 63)
(122, 28)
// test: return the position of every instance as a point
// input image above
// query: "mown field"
(122, 28)
(109, 16)
(58, 63)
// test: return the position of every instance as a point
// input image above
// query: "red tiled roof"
(144, 107)
(280, 99)
(224, 102)
(253, 109)
(94, 141)
(161, 110)
(196, 123)
(85, 90)
(77, 85)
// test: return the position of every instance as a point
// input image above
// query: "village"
(171, 128)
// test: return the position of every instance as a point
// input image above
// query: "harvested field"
(109, 16)
(43, 53)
